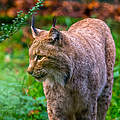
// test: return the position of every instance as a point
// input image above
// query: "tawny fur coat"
(76, 67)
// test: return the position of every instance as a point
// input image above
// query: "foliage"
(21, 97)
(7, 30)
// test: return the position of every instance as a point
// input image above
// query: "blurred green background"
(21, 97)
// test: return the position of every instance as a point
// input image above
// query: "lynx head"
(48, 58)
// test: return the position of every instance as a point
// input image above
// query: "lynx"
(76, 68)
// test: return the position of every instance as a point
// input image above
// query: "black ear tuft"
(54, 21)
(35, 31)
(33, 24)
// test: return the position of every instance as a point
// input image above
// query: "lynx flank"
(76, 67)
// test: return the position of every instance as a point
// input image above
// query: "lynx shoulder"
(76, 67)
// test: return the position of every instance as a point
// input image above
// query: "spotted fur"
(76, 67)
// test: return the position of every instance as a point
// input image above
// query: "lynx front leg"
(57, 110)
(88, 114)
(57, 114)
(59, 102)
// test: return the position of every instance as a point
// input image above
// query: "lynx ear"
(55, 35)
(35, 31)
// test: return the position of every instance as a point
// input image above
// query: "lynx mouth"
(40, 75)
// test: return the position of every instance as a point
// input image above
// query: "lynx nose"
(30, 70)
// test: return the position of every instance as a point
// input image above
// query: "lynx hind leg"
(104, 102)
(105, 98)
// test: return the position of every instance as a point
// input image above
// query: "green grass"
(21, 97)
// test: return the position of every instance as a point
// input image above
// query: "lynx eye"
(39, 57)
